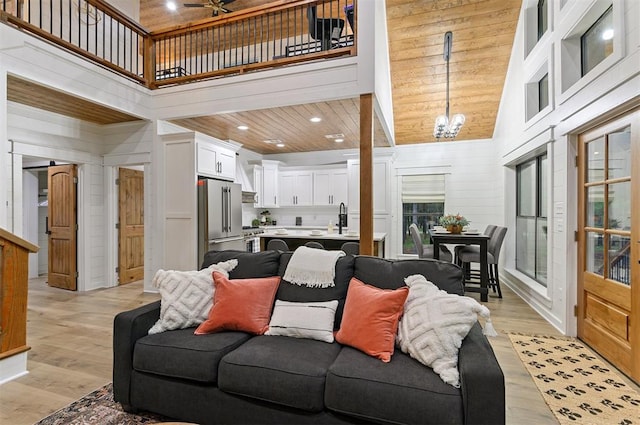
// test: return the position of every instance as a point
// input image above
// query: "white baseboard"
(13, 367)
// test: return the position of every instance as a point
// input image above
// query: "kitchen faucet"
(342, 217)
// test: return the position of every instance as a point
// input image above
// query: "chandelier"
(446, 127)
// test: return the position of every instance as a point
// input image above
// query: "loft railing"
(90, 28)
(276, 34)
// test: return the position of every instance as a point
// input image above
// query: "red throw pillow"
(370, 318)
(240, 305)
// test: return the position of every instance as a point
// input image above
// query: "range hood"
(248, 194)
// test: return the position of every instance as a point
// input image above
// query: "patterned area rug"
(578, 387)
(98, 408)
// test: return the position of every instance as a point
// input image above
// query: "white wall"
(472, 180)
(615, 83)
(30, 216)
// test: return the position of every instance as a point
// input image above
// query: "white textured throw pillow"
(312, 320)
(186, 296)
(435, 323)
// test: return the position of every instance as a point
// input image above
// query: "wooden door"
(609, 242)
(131, 225)
(62, 226)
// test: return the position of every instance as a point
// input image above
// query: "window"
(531, 219)
(543, 92)
(537, 93)
(542, 18)
(423, 204)
(597, 42)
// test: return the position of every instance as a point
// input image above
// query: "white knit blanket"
(315, 268)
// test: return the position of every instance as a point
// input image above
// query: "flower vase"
(454, 228)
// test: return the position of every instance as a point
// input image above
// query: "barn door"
(62, 226)
(609, 242)
(131, 225)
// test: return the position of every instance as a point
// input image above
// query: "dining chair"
(488, 231)
(326, 30)
(493, 256)
(352, 248)
(277, 245)
(314, 244)
(426, 251)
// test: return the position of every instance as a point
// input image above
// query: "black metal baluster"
(87, 5)
(60, 10)
(104, 41)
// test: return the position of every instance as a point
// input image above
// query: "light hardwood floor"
(70, 335)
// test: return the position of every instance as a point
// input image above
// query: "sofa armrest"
(481, 380)
(128, 327)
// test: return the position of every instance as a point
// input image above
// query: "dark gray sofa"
(233, 377)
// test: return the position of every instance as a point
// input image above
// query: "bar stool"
(277, 245)
(352, 248)
(468, 256)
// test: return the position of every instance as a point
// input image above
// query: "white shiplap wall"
(554, 129)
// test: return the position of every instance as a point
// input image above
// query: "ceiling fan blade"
(194, 5)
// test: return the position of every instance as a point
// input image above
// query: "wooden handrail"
(231, 17)
(18, 241)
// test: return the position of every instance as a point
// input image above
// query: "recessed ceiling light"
(280, 145)
(243, 127)
(334, 136)
(315, 119)
(339, 140)
(171, 5)
(607, 34)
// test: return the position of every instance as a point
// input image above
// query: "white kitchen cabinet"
(381, 185)
(182, 158)
(215, 161)
(270, 197)
(296, 188)
(330, 187)
(258, 179)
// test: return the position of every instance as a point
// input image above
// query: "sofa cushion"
(240, 305)
(181, 354)
(390, 274)
(313, 320)
(279, 369)
(371, 318)
(187, 296)
(297, 293)
(401, 391)
(250, 264)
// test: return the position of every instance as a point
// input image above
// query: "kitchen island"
(298, 237)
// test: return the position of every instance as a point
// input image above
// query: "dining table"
(439, 237)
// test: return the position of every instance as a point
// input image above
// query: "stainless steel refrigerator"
(219, 216)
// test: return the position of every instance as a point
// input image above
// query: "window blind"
(423, 188)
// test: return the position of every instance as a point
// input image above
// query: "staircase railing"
(277, 34)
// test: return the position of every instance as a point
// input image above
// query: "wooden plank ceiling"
(291, 125)
(483, 32)
(38, 96)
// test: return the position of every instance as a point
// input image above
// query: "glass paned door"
(608, 228)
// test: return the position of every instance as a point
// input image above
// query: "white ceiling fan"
(216, 6)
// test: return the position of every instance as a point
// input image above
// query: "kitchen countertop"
(306, 227)
(305, 233)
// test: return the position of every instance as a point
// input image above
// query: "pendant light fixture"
(446, 127)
